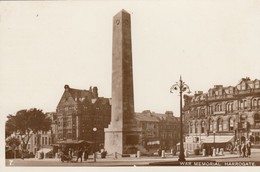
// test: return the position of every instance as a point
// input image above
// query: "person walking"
(238, 147)
(79, 155)
(86, 153)
(248, 148)
(70, 153)
(243, 148)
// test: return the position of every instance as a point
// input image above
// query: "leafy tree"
(27, 122)
(9, 126)
(13, 143)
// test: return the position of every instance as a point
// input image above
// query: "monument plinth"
(121, 133)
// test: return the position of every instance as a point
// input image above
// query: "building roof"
(155, 117)
(76, 93)
(145, 117)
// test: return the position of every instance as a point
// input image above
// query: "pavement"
(127, 161)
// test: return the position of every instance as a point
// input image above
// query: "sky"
(45, 45)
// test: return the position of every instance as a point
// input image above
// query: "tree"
(9, 126)
(13, 143)
(27, 122)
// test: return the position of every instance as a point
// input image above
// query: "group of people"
(243, 148)
(79, 154)
(208, 150)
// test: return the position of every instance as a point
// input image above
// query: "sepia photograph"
(130, 85)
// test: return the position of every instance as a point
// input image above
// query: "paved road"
(143, 161)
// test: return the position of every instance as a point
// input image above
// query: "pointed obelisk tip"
(124, 11)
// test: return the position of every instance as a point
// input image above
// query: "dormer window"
(219, 92)
(231, 90)
(243, 86)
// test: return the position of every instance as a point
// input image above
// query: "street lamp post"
(182, 87)
(94, 154)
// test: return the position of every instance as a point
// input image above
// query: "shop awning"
(74, 142)
(218, 139)
(155, 142)
(44, 150)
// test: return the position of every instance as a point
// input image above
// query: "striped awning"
(218, 139)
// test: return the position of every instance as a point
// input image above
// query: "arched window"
(210, 125)
(202, 127)
(217, 107)
(231, 124)
(228, 107)
(196, 127)
(245, 104)
(220, 124)
(190, 127)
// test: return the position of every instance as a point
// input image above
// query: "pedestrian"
(248, 148)
(70, 152)
(86, 154)
(211, 150)
(79, 155)
(159, 152)
(208, 150)
(238, 149)
(243, 149)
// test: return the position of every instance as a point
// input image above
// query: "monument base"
(122, 142)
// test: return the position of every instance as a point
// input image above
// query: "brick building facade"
(79, 112)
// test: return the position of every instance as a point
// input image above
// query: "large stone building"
(158, 130)
(223, 114)
(79, 112)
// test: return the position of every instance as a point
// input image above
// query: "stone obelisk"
(121, 132)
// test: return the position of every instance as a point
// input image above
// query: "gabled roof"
(79, 96)
(76, 93)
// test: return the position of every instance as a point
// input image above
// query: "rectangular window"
(220, 127)
(231, 125)
(225, 127)
(257, 85)
(202, 129)
(243, 86)
(242, 104)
